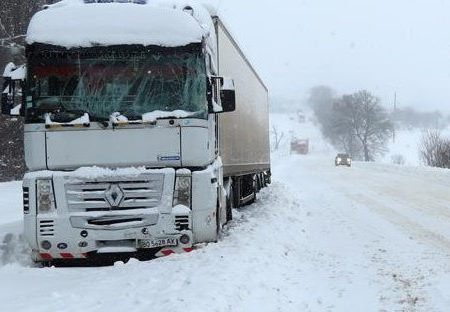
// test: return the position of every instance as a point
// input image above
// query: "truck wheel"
(218, 225)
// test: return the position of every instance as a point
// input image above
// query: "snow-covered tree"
(321, 99)
(14, 18)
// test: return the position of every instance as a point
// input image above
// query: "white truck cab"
(122, 131)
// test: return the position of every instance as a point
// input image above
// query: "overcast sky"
(384, 46)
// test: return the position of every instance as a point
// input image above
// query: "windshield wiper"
(73, 118)
(158, 115)
(119, 119)
(66, 116)
(62, 121)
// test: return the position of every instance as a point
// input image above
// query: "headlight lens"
(182, 193)
(339, 159)
(45, 198)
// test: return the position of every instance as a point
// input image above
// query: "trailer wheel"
(254, 188)
(258, 183)
(236, 187)
(230, 204)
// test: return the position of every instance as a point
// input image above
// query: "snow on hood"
(72, 23)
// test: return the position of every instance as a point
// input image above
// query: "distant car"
(343, 160)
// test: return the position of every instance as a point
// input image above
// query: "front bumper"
(85, 224)
(85, 243)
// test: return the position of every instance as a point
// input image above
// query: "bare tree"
(435, 150)
(409, 118)
(12, 164)
(373, 128)
(278, 137)
(321, 99)
(340, 129)
(360, 125)
(14, 18)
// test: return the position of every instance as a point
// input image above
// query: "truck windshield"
(132, 83)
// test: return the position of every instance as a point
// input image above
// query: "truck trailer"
(145, 125)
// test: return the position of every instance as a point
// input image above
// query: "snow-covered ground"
(407, 145)
(373, 237)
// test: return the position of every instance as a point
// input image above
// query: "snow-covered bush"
(435, 150)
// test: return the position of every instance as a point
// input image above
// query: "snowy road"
(378, 235)
(368, 238)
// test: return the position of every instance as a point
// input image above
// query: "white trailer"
(244, 133)
(138, 141)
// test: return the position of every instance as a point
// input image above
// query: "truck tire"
(218, 225)
(255, 189)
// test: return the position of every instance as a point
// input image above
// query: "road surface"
(372, 237)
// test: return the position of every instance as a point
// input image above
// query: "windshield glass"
(132, 83)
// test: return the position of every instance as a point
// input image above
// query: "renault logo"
(114, 195)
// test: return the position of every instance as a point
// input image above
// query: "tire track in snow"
(406, 243)
(411, 228)
(405, 282)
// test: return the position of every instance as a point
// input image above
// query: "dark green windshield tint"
(130, 83)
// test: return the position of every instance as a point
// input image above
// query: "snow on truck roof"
(87, 23)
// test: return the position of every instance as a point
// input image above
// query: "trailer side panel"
(244, 133)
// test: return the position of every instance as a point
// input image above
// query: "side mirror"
(228, 95)
(222, 95)
(6, 104)
(8, 91)
(9, 100)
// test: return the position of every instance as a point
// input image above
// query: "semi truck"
(145, 125)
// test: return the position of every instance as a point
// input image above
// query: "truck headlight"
(182, 192)
(44, 196)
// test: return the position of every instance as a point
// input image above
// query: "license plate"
(155, 243)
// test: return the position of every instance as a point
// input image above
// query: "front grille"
(108, 195)
(47, 227)
(106, 221)
(182, 223)
(26, 200)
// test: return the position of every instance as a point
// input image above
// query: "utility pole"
(395, 117)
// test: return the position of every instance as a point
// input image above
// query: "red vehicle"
(299, 146)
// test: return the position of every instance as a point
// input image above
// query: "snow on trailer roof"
(78, 23)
